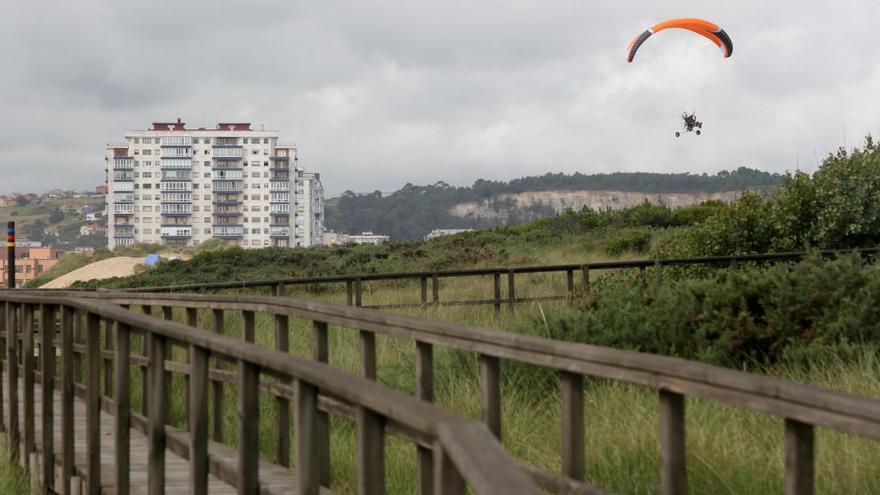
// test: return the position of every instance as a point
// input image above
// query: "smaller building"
(30, 262)
(441, 232)
(368, 238)
(333, 238)
(101, 190)
(92, 229)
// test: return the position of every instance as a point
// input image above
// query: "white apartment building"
(181, 186)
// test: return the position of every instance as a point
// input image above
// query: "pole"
(10, 255)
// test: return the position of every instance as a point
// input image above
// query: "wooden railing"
(459, 451)
(355, 285)
(802, 406)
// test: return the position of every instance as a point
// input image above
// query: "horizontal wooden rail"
(463, 450)
(356, 283)
(802, 406)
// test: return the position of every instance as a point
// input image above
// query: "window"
(207, 174)
(148, 231)
(195, 197)
(265, 164)
(265, 196)
(207, 140)
(148, 163)
(147, 140)
(265, 140)
(137, 174)
(255, 152)
(207, 219)
(255, 220)
(206, 152)
(136, 152)
(134, 140)
(148, 174)
(255, 174)
(207, 231)
(207, 163)
(195, 209)
(147, 186)
(148, 152)
(255, 231)
(147, 208)
(158, 197)
(148, 220)
(265, 174)
(266, 219)
(196, 185)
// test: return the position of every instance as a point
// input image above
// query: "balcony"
(280, 158)
(177, 185)
(279, 197)
(279, 208)
(123, 163)
(227, 186)
(227, 214)
(171, 163)
(279, 231)
(176, 141)
(123, 197)
(228, 174)
(228, 152)
(177, 174)
(176, 232)
(176, 209)
(279, 185)
(227, 231)
(176, 152)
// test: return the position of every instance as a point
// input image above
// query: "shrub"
(628, 242)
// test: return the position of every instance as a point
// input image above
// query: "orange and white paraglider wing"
(706, 29)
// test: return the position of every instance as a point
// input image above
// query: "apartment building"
(30, 262)
(175, 185)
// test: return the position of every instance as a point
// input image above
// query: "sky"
(380, 93)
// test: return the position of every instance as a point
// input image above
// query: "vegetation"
(413, 211)
(13, 481)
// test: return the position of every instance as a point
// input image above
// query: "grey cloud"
(381, 93)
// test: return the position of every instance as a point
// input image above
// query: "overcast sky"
(380, 93)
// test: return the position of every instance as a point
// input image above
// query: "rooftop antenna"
(843, 126)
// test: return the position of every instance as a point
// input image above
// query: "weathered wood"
(368, 354)
(157, 417)
(282, 405)
(435, 288)
(569, 283)
(122, 409)
(145, 352)
(67, 459)
(496, 282)
(107, 360)
(423, 286)
(4, 322)
(586, 276)
(490, 392)
(447, 479)
(371, 453)
(168, 315)
(511, 288)
(673, 469)
(198, 420)
(248, 320)
(47, 384)
(358, 292)
(799, 458)
(217, 386)
(248, 428)
(348, 292)
(425, 391)
(27, 361)
(12, 431)
(93, 403)
(572, 425)
(322, 419)
(308, 456)
(192, 319)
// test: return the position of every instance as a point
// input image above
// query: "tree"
(21, 200)
(56, 216)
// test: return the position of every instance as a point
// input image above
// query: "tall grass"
(729, 450)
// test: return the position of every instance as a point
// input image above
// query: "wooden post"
(322, 419)
(12, 432)
(248, 319)
(490, 392)
(586, 274)
(168, 315)
(157, 417)
(198, 421)
(348, 292)
(447, 479)
(108, 362)
(425, 391)
(192, 319)
(569, 283)
(3, 316)
(572, 425)
(122, 409)
(10, 255)
(673, 471)
(371, 453)
(93, 404)
(248, 428)
(358, 296)
(27, 365)
(496, 278)
(308, 455)
(423, 285)
(511, 289)
(368, 354)
(145, 352)
(67, 398)
(643, 276)
(282, 404)
(435, 288)
(216, 385)
(799, 458)
(47, 384)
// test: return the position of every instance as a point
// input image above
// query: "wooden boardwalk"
(276, 479)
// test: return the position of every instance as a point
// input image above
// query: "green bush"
(628, 242)
(748, 316)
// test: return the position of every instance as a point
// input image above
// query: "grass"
(13, 480)
(729, 450)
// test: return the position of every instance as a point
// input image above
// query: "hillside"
(413, 211)
(46, 222)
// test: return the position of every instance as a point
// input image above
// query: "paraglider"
(690, 124)
(704, 28)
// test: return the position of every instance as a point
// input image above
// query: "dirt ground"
(121, 266)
